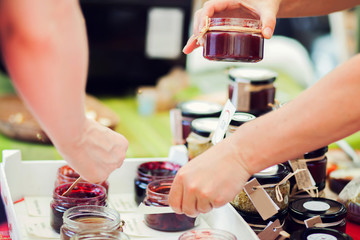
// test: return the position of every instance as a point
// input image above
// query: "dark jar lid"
(204, 126)
(316, 153)
(328, 210)
(256, 76)
(319, 233)
(240, 118)
(273, 174)
(197, 109)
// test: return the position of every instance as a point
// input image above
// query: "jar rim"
(252, 75)
(208, 232)
(242, 22)
(101, 191)
(146, 167)
(160, 197)
(100, 235)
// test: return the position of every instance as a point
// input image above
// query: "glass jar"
(157, 194)
(319, 234)
(234, 40)
(207, 234)
(101, 236)
(81, 194)
(150, 171)
(199, 139)
(237, 120)
(97, 219)
(66, 174)
(331, 212)
(194, 109)
(252, 90)
(272, 176)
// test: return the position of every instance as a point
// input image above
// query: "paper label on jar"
(316, 206)
(38, 206)
(40, 227)
(123, 202)
(272, 231)
(225, 117)
(176, 126)
(241, 96)
(310, 222)
(265, 206)
(320, 236)
(303, 178)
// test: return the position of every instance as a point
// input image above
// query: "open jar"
(194, 109)
(199, 139)
(233, 39)
(332, 213)
(81, 194)
(237, 120)
(320, 234)
(207, 234)
(150, 171)
(97, 219)
(157, 194)
(252, 90)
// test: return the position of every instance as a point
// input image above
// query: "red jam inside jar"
(234, 39)
(150, 171)
(81, 194)
(157, 193)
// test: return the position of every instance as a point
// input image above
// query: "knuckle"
(218, 202)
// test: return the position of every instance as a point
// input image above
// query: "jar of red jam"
(199, 139)
(234, 40)
(66, 174)
(157, 194)
(100, 236)
(207, 234)
(150, 171)
(252, 90)
(81, 194)
(319, 234)
(237, 120)
(331, 212)
(194, 109)
(97, 219)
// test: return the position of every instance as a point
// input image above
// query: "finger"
(203, 204)
(190, 202)
(176, 194)
(191, 45)
(268, 21)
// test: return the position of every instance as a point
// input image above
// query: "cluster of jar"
(83, 212)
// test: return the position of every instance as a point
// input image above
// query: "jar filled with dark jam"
(319, 234)
(157, 194)
(100, 236)
(199, 139)
(252, 90)
(194, 109)
(81, 194)
(97, 219)
(66, 174)
(207, 234)
(234, 40)
(237, 120)
(332, 214)
(150, 171)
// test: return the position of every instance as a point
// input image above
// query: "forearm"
(45, 50)
(303, 8)
(324, 113)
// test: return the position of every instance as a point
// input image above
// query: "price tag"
(176, 126)
(225, 117)
(303, 178)
(271, 232)
(123, 202)
(40, 227)
(38, 206)
(310, 222)
(241, 96)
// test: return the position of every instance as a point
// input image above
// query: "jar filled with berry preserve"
(252, 90)
(199, 139)
(150, 171)
(319, 234)
(207, 234)
(66, 174)
(331, 212)
(157, 194)
(237, 120)
(97, 219)
(81, 194)
(233, 39)
(194, 109)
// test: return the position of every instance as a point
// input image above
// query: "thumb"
(268, 21)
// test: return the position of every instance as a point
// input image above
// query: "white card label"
(225, 117)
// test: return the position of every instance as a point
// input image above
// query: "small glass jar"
(317, 168)
(66, 174)
(319, 234)
(81, 194)
(207, 234)
(101, 236)
(252, 90)
(331, 212)
(237, 120)
(97, 219)
(234, 40)
(157, 194)
(150, 171)
(194, 109)
(199, 139)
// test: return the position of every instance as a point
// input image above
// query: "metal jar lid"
(256, 76)
(319, 233)
(196, 109)
(273, 174)
(204, 126)
(316, 153)
(240, 118)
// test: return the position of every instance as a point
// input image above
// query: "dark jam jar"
(319, 234)
(194, 109)
(81, 194)
(66, 174)
(150, 171)
(157, 194)
(199, 139)
(252, 90)
(316, 162)
(234, 40)
(207, 234)
(237, 120)
(332, 213)
(90, 218)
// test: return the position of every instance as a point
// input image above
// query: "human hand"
(96, 152)
(264, 10)
(209, 181)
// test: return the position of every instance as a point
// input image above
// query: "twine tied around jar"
(320, 225)
(283, 234)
